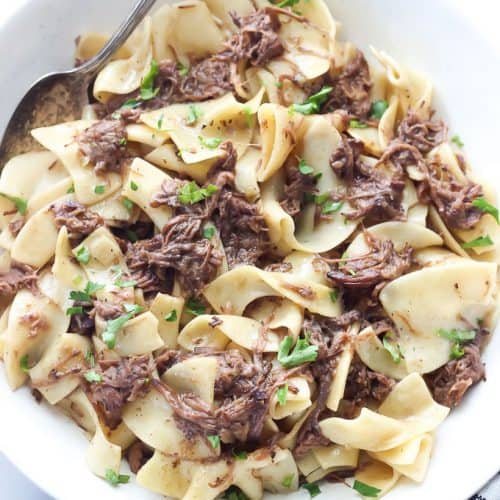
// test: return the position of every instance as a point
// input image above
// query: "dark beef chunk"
(78, 220)
(351, 89)
(452, 199)
(295, 188)
(137, 455)
(364, 385)
(257, 39)
(449, 383)
(104, 144)
(19, 276)
(168, 195)
(381, 265)
(425, 135)
(106, 310)
(374, 193)
(235, 376)
(168, 358)
(122, 381)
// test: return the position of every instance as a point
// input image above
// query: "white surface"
(451, 40)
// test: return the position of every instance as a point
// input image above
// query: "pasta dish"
(258, 262)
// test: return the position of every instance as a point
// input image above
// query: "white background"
(485, 14)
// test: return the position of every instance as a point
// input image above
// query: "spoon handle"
(135, 17)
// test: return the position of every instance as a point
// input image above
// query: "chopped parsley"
(456, 140)
(123, 141)
(89, 358)
(195, 307)
(191, 193)
(214, 441)
(379, 108)
(83, 255)
(125, 284)
(71, 189)
(209, 232)
(147, 86)
(287, 3)
(305, 169)
(182, 69)
(159, 124)
(248, 116)
(458, 337)
(486, 207)
(334, 295)
(114, 326)
(71, 311)
(115, 479)
(128, 204)
(100, 189)
(365, 489)
(171, 316)
(482, 241)
(288, 480)
(20, 203)
(303, 352)
(93, 376)
(312, 488)
(313, 103)
(86, 296)
(357, 124)
(133, 186)
(130, 104)
(210, 142)
(392, 348)
(240, 455)
(281, 394)
(234, 493)
(193, 114)
(330, 207)
(24, 364)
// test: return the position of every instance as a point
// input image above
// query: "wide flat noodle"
(234, 290)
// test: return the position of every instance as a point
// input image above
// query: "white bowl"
(428, 35)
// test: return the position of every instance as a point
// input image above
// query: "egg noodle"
(256, 262)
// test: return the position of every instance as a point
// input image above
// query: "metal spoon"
(59, 97)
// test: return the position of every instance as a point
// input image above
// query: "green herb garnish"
(330, 207)
(128, 204)
(195, 307)
(85, 296)
(133, 186)
(458, 337)
(83, 255)
(171, 316)
(305, 169)
(20, 203)
(214, 441)
(288, 480)
(131, 235)
(115, 479)
(334, 295)
(159, 123)
(125, 284)
(24, 364)
(71, 189)
(114, 326)
(99, 189)
(210, 142)
(486, 207)
(147, 86)
(71, 311)
(130, 104)
(312, 488)
(281, 394)
(193, 114)
(391, 348)
(89, 358)
(240, 455)
(191, 193)
(357, 124)
(182, 69)
(234, 493)
(209, 232)
(456, 140)
(313, 103)
(379, 108)
(482, 241)
(303, 352)
(365, 489)
(93, 376)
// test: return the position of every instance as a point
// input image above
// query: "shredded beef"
(19, 276)
(449, 383)
(122, 381)
(351, 89)
(373, 192)
(168, 358)
(106, 310)
(235, 376)
(364, 385)
(453, 199)
(380, 265)
(257, 39)
(296, 186)
(78, 220)
(104, 144)
(16, 225)
(425, 135)
(137, 455)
